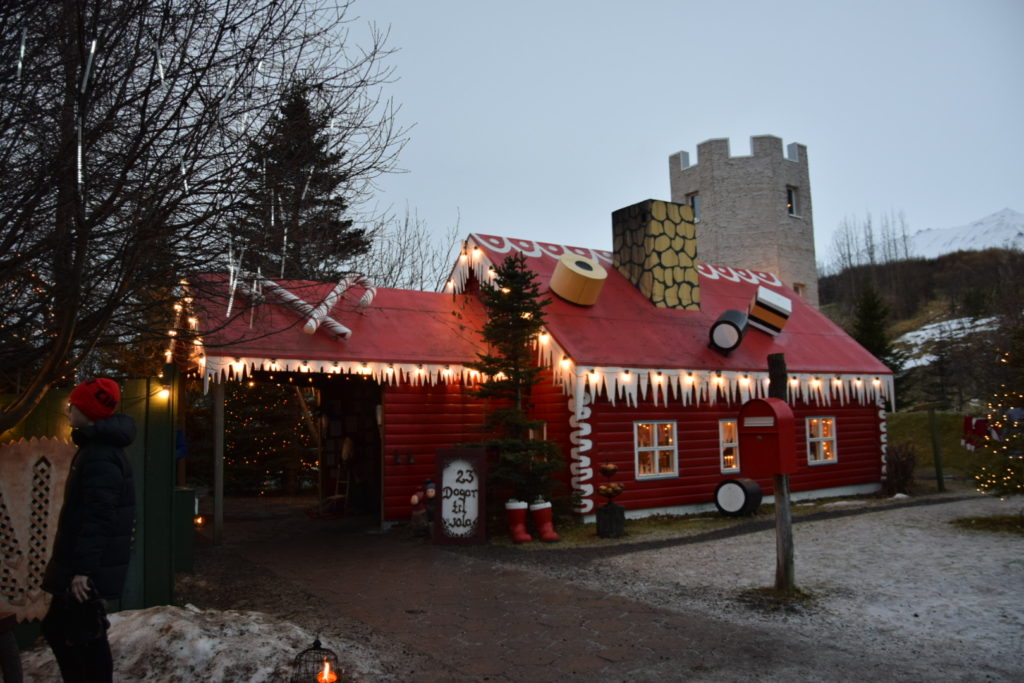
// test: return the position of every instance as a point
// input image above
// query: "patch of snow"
(954, 328)
(917, 343)
(844, 504)
(174, 644)
(902, 578)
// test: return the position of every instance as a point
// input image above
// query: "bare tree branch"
(122, 134)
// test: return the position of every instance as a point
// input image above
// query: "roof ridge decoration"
(474, 259)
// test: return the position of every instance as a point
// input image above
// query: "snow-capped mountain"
(1003, 229)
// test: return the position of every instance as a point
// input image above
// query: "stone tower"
(752, 211)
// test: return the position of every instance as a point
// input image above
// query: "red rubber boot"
(542, 520)
(515, 515)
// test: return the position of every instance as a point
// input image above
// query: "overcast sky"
(537, 119)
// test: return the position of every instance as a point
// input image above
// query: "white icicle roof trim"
(690, 386)
(221, 369)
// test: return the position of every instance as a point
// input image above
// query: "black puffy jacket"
(94, 534)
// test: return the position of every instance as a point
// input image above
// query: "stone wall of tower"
(744, 218)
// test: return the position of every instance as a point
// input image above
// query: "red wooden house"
(630, 374)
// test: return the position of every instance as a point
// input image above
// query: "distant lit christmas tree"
(267, 444)
(1004, 476)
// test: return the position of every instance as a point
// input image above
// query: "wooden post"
(933, 426)
(785, 574)
(218, 462)
(936, 449)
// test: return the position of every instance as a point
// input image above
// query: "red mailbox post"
(767, 437)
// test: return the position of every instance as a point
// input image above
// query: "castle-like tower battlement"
(752, 211)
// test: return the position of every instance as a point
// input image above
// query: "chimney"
(655, 245)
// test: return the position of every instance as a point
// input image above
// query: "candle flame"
(326, 676)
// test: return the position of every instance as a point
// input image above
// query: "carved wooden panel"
(32, 477)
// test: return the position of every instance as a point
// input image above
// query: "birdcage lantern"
(316, 664)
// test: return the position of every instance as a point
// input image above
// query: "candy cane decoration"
(298, 305)
(363, 282)
(325, 306)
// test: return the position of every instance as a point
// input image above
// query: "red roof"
(398, 326)
(624, 329)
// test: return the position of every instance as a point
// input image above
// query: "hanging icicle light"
(21, 51)
(160, 66)
(88, 66)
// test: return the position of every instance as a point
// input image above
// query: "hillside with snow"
(1003, 229)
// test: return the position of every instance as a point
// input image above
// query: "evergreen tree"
(871, 317)
(515, 310)
(293, 224)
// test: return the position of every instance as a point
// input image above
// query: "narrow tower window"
(693, 199)
(792, 200)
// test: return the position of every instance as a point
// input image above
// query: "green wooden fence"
(163, 536)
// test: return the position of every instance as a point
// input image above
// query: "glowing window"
(728, 446)
(821, 440)
(655, 449)
(792, 201)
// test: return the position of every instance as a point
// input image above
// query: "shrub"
(900, 460)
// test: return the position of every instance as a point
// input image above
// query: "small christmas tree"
(267, 444)
(1004, 475)
(515, 310)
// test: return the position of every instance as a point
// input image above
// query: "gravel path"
(895, 591)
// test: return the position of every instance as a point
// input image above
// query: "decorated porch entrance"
(350, 457)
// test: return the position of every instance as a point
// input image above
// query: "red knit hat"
(96, 398)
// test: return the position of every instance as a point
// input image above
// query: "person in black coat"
(93, 541)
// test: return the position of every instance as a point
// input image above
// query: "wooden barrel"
(738, 497)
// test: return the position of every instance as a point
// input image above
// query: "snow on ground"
(902, 580)
(918, 343)
(172, 644)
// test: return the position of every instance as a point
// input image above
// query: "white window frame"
(654, 449)
(723, 444)
(818, 443)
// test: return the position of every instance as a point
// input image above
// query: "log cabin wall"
(549, 404)
(858, 447)
(416, 421)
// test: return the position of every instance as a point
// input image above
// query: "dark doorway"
(351, 462)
